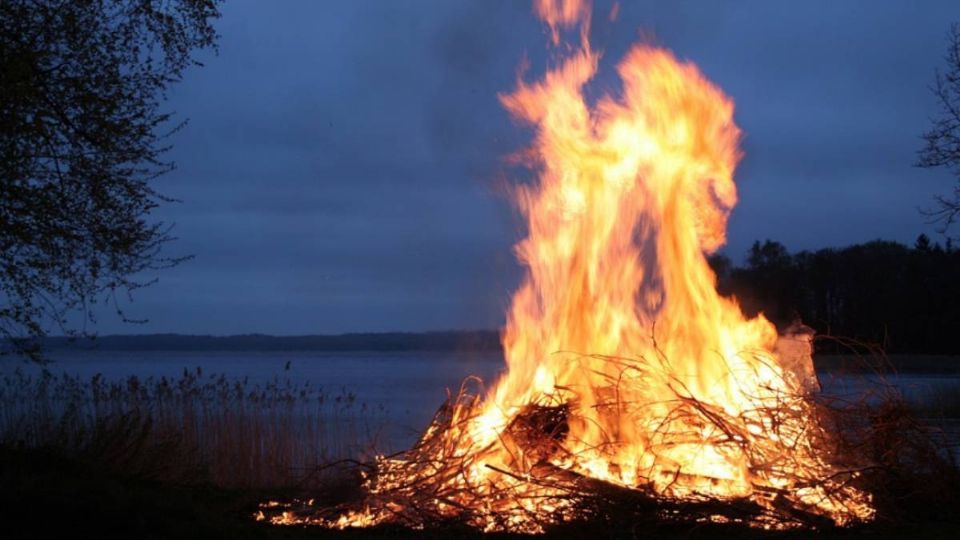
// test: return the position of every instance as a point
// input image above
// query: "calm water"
(411, 385)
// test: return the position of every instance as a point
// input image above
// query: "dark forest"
(904, 299)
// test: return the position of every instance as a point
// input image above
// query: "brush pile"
(868, 446)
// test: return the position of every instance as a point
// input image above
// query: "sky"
(343, 166)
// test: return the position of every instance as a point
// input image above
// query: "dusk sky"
(342, 169)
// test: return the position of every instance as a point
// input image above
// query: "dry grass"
(193, 429)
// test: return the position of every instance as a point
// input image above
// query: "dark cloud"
(341, 167)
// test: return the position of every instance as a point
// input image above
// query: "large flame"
(631, 195)
(621, 354)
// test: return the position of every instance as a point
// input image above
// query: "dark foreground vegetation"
(45, 494)
(193, 458)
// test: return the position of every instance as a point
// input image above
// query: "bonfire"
(631, 383)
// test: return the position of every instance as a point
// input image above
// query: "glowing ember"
(628, 374)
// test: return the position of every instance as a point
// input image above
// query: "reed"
(231, 433)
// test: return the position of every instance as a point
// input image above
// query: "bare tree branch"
(942, 141)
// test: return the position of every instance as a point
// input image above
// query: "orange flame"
(618, 316)
(562, 14)
(664, 384)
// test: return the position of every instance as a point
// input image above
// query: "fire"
(626, 370)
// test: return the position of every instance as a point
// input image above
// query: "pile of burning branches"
(541, 485)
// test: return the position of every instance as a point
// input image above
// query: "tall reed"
(195, 428)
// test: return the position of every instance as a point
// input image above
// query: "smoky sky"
(343, 166)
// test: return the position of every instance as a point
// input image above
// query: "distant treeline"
(906, 299)
(480, 340)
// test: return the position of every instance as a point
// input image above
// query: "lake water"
(410, 385)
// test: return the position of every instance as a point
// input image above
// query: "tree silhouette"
(942, 141)
(82, 136)
(883, 293)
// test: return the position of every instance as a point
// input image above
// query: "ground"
(44, 495)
